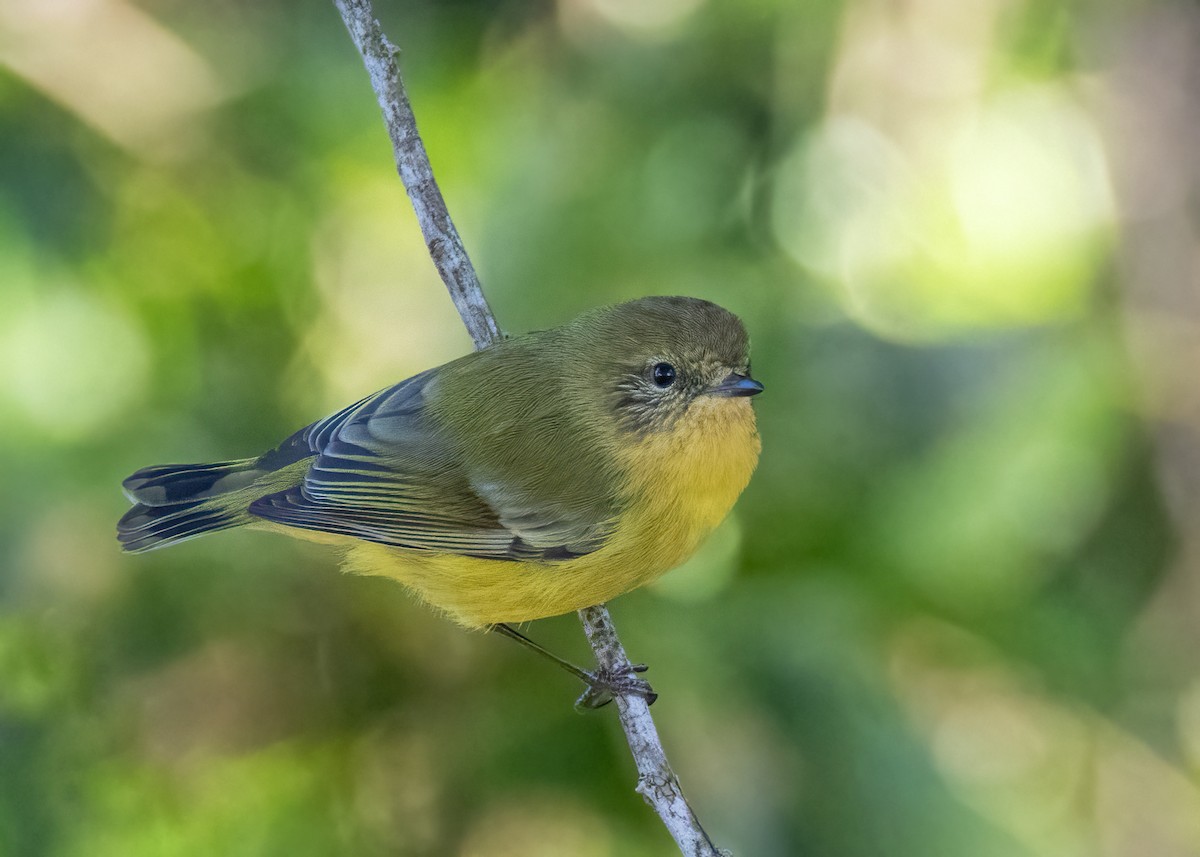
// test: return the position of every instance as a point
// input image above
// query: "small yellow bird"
(546, 473)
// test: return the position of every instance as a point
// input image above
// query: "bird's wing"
(386, 472)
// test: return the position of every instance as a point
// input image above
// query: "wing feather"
(385, 470)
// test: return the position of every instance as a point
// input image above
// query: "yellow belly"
(682, 483)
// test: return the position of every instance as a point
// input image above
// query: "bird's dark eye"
(663, 374)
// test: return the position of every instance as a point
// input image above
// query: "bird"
(548, 472)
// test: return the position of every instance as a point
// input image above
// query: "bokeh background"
(956, 612)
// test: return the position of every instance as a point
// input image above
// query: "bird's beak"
(734, 384)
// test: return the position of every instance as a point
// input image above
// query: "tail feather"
(167, 484)
(176, 502)
(145, 528)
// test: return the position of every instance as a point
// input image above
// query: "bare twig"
(412, 162)
(657, 783)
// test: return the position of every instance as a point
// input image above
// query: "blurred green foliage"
(944, 619)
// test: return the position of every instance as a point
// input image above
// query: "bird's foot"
(604, 683)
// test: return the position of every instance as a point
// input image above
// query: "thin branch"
(657, 783)
(412, 162)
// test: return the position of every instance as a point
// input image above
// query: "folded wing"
(386, 471)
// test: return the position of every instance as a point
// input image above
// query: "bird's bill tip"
(736, 384)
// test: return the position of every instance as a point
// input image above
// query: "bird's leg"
(604, 683)
(601, 684)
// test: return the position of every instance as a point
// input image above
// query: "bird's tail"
(174, 502)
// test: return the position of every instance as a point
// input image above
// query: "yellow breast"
(680, 484)
(688, 478)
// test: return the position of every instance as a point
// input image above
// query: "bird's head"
(660, 357)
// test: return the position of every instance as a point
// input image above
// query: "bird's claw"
(604, 683)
